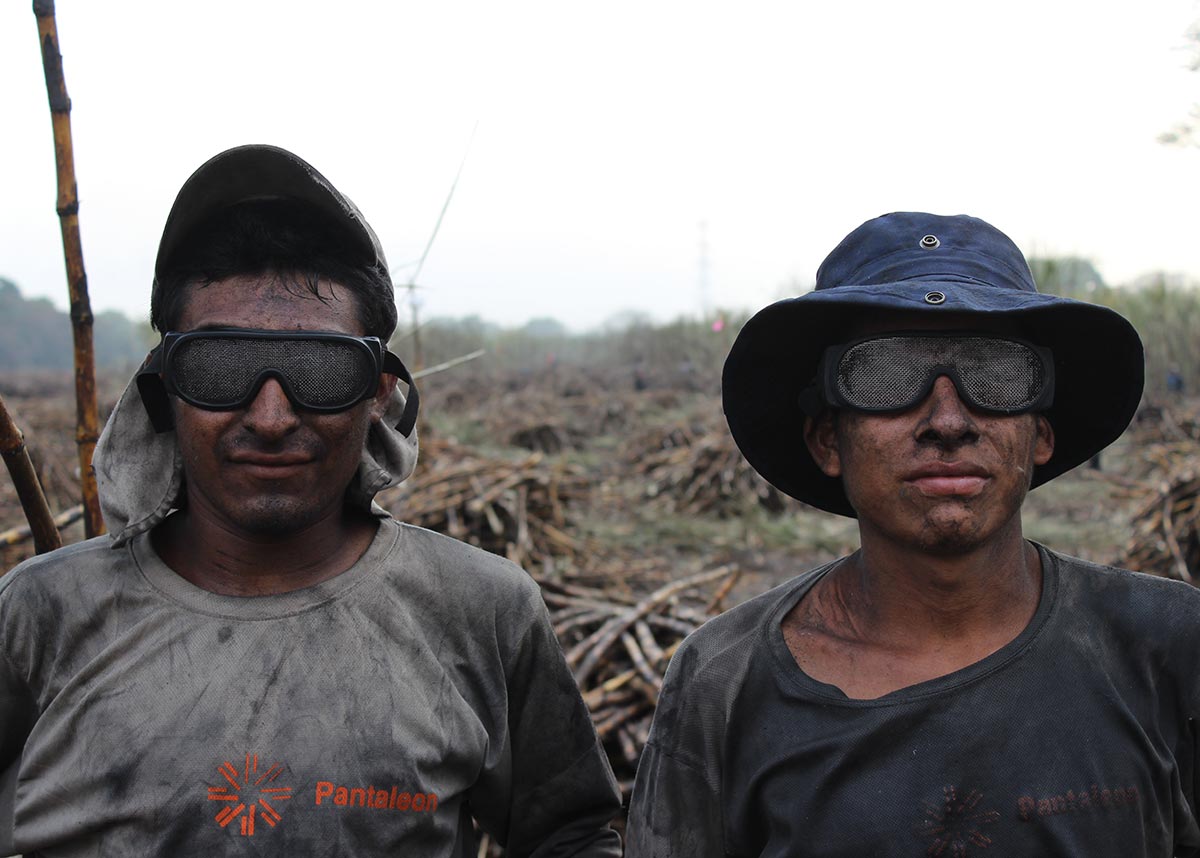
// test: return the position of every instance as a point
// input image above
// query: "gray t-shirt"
(372, 714)
(1076, 739)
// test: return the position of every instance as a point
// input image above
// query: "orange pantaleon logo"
(249, 795)
(380, 798)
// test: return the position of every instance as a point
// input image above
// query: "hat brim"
(1098, 364)
(261, 172)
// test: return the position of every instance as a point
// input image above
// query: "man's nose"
(946, 417)
(271, 414)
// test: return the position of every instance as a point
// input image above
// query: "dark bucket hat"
(929, 264)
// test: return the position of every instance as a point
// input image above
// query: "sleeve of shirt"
(555, 794)
(676, 807)
(674, 811)
(1187, 827)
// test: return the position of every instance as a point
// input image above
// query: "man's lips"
(271, 465)
(948, 479)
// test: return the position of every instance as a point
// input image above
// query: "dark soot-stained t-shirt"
(1076, 739)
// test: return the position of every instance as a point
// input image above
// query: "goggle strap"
(408, 419)
(154, 393)
(811, 400)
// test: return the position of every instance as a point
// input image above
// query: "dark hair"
(272, 236)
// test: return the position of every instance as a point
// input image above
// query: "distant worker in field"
(1175, 382)
(950, 689)
(259, 660)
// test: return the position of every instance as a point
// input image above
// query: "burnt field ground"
(636, 514)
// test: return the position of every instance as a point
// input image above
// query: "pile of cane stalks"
(619, 621)
(1166, 525)
(618, 645)
(695, 468)
(512, 507)
(1166, 522)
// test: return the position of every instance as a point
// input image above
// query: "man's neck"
(909, 594)
(218, 559)
(891, 617)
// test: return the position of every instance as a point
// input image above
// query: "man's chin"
(950, 530)
(274, 517)
(943, 543)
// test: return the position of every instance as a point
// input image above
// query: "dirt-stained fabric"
(1076, 739)
(372, 714)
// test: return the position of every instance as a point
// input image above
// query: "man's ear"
(383, 394)
(820, 434)
(1044, 444)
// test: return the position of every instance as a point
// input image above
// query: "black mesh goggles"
(896, 371)
(222, 370)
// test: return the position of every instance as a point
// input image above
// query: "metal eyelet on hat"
(929, 242)
(935, 297)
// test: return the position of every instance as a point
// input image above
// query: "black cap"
(261, 172)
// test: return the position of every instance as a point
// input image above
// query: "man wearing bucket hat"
(950, 689)
(259, 659)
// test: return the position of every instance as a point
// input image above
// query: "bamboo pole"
(87, 417)
(17, 535)
(29, 490)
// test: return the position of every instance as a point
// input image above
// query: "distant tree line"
(629, 347)
(34, 334)
(1164, 309)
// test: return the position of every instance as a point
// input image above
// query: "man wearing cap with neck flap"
(949, 689)
(258, 659)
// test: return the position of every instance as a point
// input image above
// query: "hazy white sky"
(608, 132)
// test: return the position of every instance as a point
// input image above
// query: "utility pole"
(412, 281)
